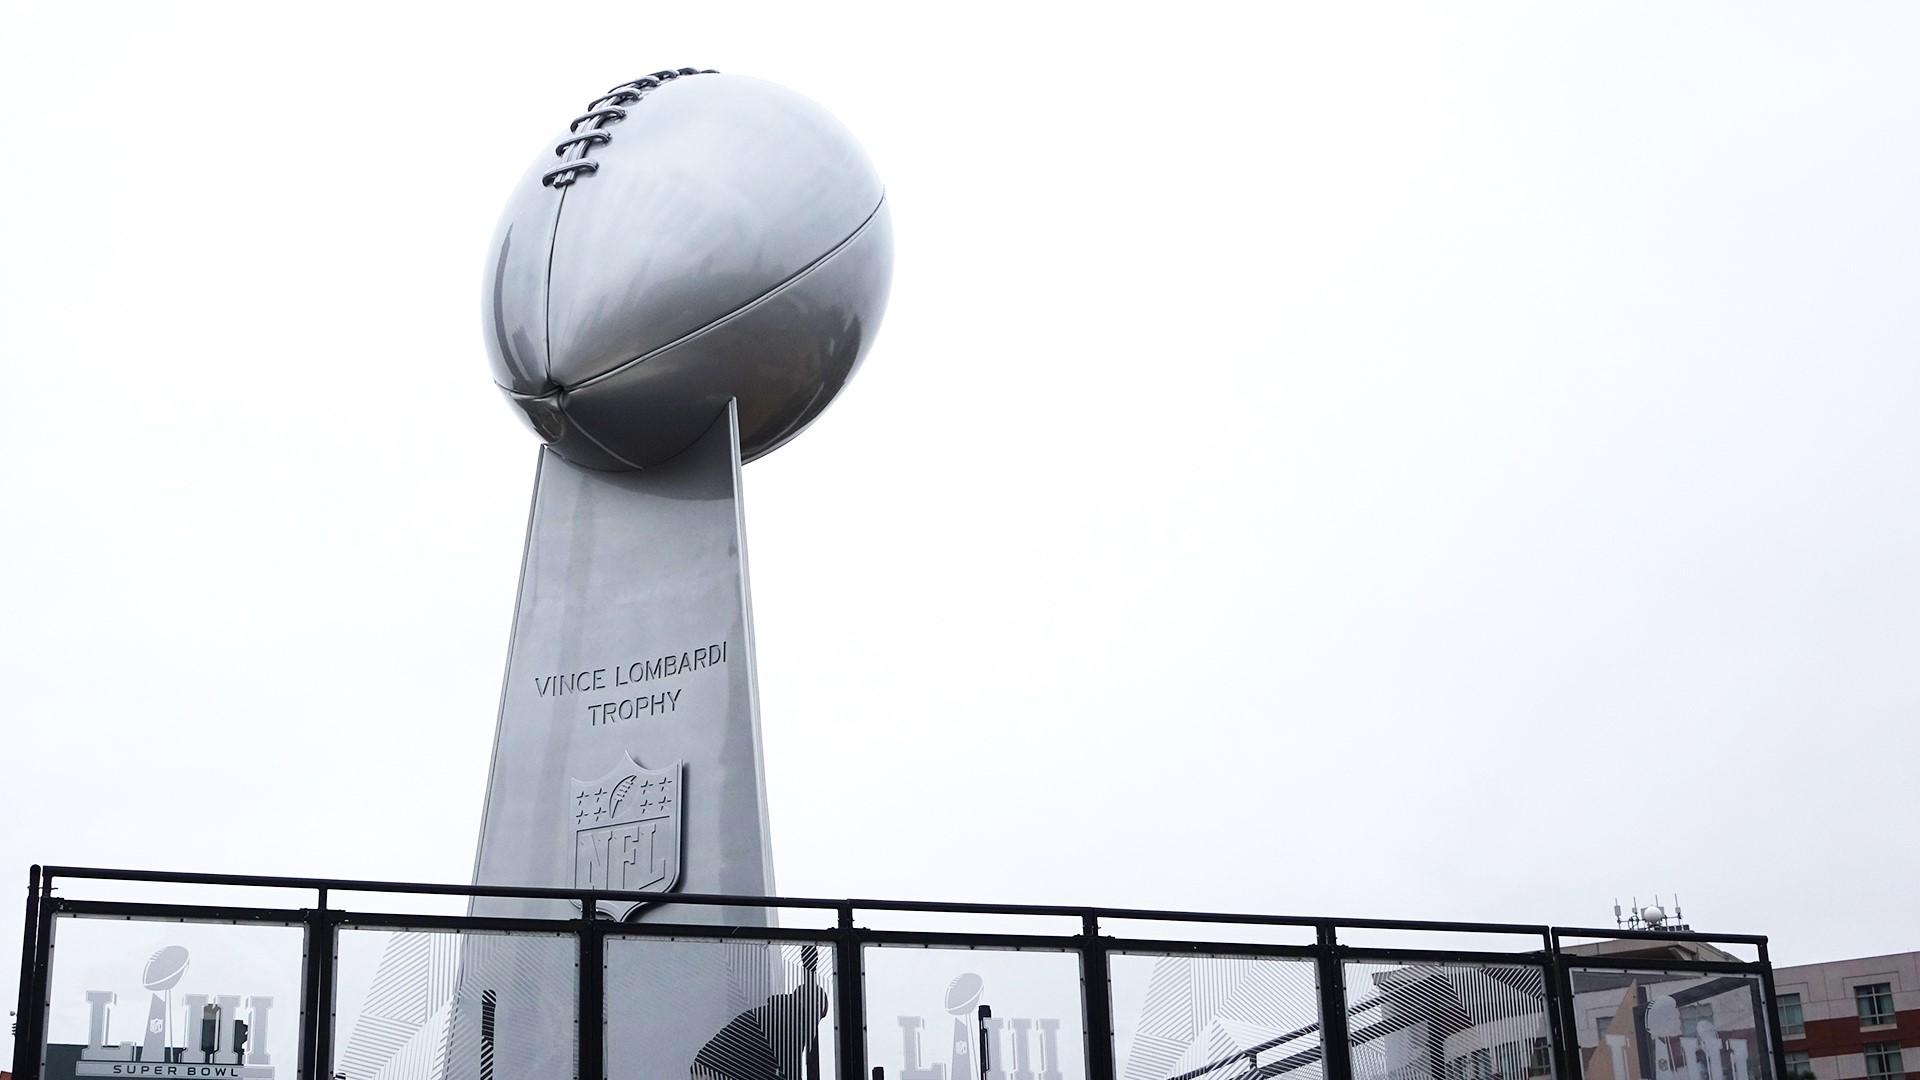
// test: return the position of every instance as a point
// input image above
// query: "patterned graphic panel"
(1448, 1022)
(719, 1010)
(974, 1014)
(1215, 1017)
(1664, 1025)
(138, 997)
(430, 1005)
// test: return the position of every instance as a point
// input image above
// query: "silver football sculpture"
(691, 238)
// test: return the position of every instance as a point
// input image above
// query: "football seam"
(561, 389)
(737, 312)
(633, 91)
(546, 291)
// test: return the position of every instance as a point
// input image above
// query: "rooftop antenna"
(1654, 917)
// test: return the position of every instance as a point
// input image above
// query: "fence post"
(42, 975)
(1096, 984)
(849, 975)
(316, 992)
(26, 1048)
(1552, 990)
(1566, 1041)
(1336, 1049)
(1775, 1047)
(590, 1024)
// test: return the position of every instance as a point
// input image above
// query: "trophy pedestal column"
(628, 750)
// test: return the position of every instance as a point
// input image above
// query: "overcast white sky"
(1364, 461)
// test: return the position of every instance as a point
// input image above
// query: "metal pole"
(1779, 1051)
(1566, 1033)
(34, 1025)
(316, 1030)
(1556, 1026)
(591, 1027)
(1335, 1050)
(848, 972)
(308, 1068)
(29, 949)
(1096, 980)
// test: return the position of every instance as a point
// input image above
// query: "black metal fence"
(318, 989)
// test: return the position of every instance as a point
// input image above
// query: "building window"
(1793, 1023)
(1510, 1061)
(1799, 1066)
(1540, 1060)
(1883, 1061)
(1876, 1003)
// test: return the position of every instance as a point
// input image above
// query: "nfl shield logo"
(626, 830)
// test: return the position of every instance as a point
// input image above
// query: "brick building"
(1851, 1019)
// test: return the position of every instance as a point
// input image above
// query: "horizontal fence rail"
(542, 984)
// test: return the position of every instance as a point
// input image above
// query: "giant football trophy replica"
(681, 283)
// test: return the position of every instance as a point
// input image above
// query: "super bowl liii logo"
(215, 1040)
(1006, 1044)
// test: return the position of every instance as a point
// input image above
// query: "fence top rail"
(1560, 932)
(1090, 916)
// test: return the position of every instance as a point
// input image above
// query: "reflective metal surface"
(515, 300)
(628, 750)
(732, 241)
